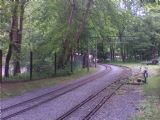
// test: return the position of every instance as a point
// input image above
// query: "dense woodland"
(128, 30)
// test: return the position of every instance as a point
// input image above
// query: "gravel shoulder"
(122, 106)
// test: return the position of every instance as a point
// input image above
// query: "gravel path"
(123, 103)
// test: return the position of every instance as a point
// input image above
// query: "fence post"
(96, 55)
(71, 62)
(55, 63)
(88, 55)
(0, 66)
(31, 64)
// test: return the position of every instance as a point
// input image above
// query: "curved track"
(110, 89)
(21, 107)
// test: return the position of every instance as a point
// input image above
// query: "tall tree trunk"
(135, 58)
(113, 53)
(154, 51)
(13, 37)
(121, 47)
(102, 50)
(110, 52)
(17, 68)
(65, 49)
(124, 52)
(127, 52)
(82, 24)
(8, 58)
(1, 57)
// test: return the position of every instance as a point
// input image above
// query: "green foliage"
(51, 26)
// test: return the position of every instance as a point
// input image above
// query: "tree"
(15, 35)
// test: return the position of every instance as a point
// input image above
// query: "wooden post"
(0, 66)
(31, 64)
(55, 63)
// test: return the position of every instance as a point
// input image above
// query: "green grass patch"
(153, 86)
(15, 89)
(128, 64)
(43, 74)
(149, 108)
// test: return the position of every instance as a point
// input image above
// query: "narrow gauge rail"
(102, 102)
(113, 87)
(24, 106)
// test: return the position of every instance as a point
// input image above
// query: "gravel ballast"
(55, 108)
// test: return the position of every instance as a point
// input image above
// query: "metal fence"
(1, 66)
(34, 66)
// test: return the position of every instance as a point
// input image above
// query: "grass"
(42, 74)
(128, 64)
(14, 89)
(149, 108)
(153, 87)
(153, 70)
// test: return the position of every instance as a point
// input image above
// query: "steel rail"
(102, 102)
(52, 95)
(75, 108)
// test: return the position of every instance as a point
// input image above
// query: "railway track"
(111, 90)
(101, 103)
(16, 109)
